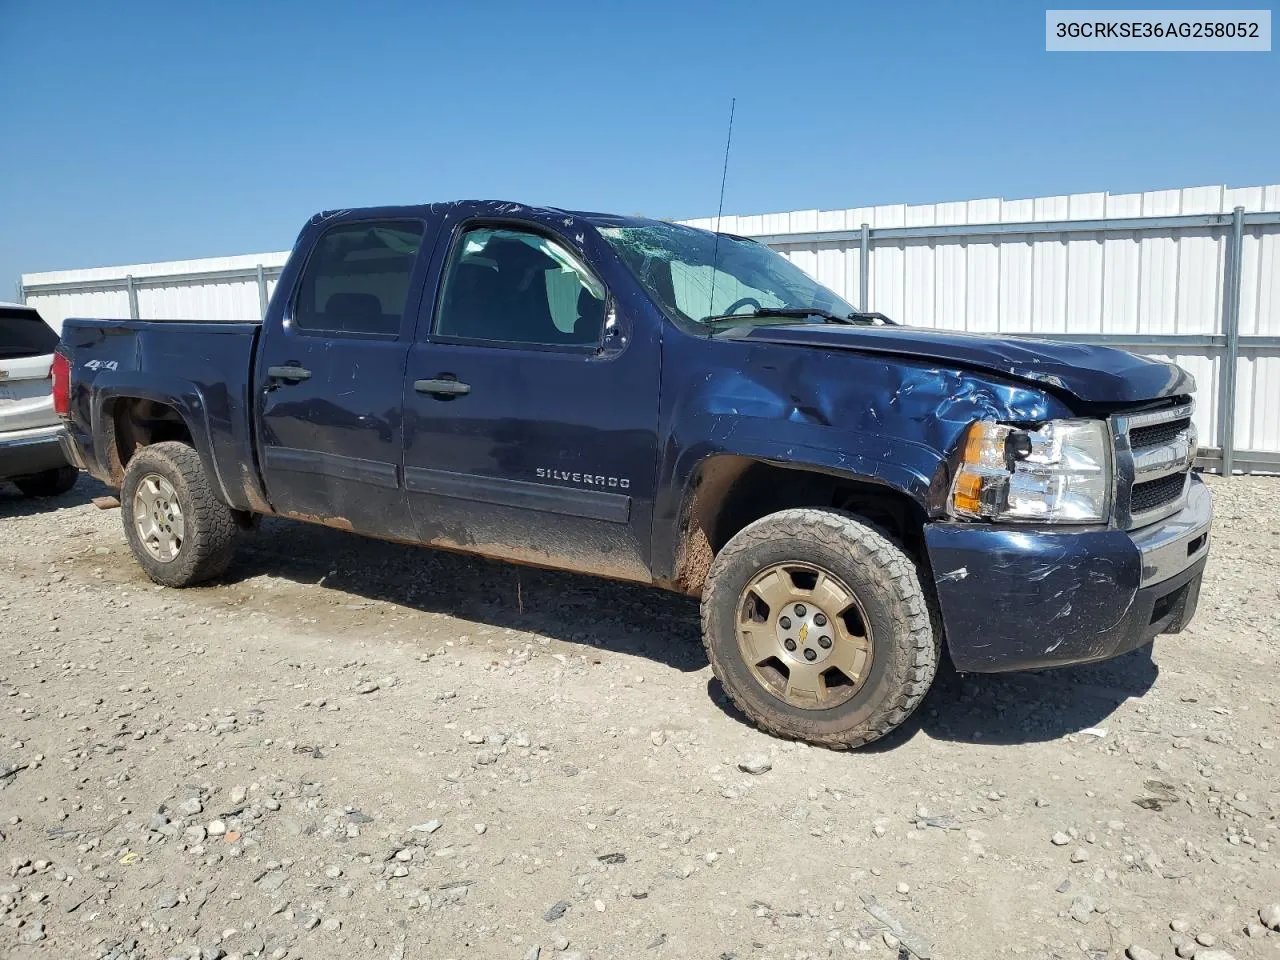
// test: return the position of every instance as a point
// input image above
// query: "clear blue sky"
(142, 131)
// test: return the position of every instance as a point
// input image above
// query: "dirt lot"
(357, 749)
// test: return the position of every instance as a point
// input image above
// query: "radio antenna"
(724, 176)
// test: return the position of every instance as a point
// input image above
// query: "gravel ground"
(357, 749)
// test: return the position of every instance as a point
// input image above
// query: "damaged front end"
(1073, 546)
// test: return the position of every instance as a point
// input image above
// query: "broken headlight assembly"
(1056, 472)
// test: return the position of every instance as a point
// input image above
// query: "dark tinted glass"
(24, 334)
(357, 279)
(512, 286)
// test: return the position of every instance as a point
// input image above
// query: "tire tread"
(211, 526)
(883, 560)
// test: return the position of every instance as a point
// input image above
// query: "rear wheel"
(49, 483)
(178, 529)
(818, 628)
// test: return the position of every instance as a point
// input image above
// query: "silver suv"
(30, 454)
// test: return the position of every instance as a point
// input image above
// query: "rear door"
(530, 409)
(330, 376)
(26, 354)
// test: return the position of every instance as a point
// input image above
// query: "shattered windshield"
(747, 282)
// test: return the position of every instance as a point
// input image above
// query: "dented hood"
(1093, 374)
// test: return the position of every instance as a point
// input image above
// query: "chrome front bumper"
(1175, 543)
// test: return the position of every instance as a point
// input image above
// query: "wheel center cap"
(805, 633)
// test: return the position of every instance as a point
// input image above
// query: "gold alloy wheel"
(804, 635)
(158, 518)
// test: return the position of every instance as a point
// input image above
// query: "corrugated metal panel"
(1155, 282)
(170, 289)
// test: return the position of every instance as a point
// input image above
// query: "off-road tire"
(906, 642)
(49, 483)
(210, 538)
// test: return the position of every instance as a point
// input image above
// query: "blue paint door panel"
(331, 443)
(530, 431)
(330, 376)
(549, 458)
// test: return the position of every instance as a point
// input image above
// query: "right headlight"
(1057, 472)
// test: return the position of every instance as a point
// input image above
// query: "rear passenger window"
(512, 286)
(357, 278)
(24, 334)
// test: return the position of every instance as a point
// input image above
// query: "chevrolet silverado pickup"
(650, 402)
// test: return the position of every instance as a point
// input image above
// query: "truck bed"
(204, 369)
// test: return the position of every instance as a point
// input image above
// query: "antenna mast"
(724, 176)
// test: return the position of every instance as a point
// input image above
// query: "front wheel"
(818, 628)
(178, 529)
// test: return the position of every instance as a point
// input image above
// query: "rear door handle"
(289, 373)
(442, 388)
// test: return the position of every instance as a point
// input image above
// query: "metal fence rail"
(1174, 285)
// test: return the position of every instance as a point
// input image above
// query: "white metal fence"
(1189, 275)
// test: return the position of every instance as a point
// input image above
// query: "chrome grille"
(1154, 453)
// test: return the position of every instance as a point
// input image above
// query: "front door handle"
(442, 388)
(289, 373)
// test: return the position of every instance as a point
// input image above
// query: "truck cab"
(646, 401)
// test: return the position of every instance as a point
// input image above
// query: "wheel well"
(133, 423)
(729, 492)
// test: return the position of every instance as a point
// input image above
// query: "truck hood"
(1100, 375)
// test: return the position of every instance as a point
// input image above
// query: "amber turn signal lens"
(968, 491)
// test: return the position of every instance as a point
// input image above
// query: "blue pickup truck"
(640, 400)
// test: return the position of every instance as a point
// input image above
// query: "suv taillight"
(61, 374)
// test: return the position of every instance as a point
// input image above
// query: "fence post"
(864, 268)
(1231, 327)
(262, 292)
(132, 290)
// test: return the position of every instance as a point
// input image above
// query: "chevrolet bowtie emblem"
(804, 632)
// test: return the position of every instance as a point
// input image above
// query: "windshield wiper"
(871, 316)
(801, 313)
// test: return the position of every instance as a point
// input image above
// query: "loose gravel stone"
(755, 764)
(1082, 909)
(556, 910)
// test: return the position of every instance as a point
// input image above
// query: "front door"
(330, 380)
(530, 411)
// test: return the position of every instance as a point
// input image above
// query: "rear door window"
(357, 278)
(24, 334)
